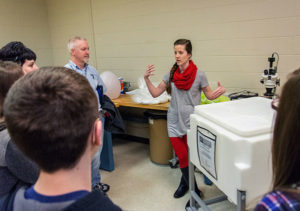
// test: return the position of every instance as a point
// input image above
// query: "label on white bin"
(206, 144)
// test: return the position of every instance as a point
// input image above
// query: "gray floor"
(138, 184)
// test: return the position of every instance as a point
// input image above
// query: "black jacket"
(113, 119)
(16, 169)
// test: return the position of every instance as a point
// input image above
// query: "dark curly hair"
(16, 52)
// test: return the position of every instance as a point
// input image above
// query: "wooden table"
(160, 136)
(125, 100)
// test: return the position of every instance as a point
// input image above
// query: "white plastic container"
(232, 141)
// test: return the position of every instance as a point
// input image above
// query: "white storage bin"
(230, 143)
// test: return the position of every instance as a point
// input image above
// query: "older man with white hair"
(80, 54)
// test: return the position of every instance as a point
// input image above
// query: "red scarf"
(185, 79)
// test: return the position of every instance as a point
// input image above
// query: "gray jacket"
(16, 170)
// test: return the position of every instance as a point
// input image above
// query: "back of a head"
(9, 73)
(16, 52)
(286, 145)
(49, 114)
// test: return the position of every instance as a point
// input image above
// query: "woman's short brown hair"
(9, 73)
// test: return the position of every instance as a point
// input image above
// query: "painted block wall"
(27, 21)
(232, 39)
(70, 18)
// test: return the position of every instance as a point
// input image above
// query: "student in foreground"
(285, 194)
(16, 170)
(52, 116)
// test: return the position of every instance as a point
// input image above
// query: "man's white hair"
(72, 42)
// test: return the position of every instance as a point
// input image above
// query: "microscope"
(270, 77)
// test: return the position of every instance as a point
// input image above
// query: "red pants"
(181, 149)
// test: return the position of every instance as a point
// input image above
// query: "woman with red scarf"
(185, 83)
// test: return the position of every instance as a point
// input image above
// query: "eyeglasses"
(275, 104)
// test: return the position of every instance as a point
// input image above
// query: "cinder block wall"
(232, 39)
(27, 21)
(70, 18)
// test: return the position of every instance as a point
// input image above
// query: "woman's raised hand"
(218, 91)
(149, 71)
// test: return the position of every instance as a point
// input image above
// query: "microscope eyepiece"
(271, 60)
